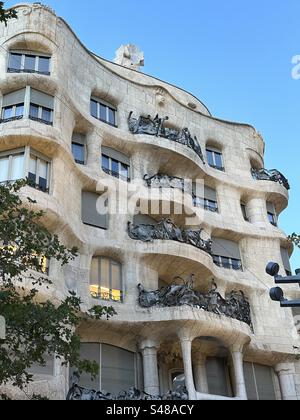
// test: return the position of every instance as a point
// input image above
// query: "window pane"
(78, 152)
(17, 171)
(218, 160)
(118, 371)
(34, 111)
(4, 162)
(225, 262)
(47, 114)
(7, 113)
(115, 166)
(210, 158)
(103, 112)
(105, 278)
(89, 352)
(94, 278)
(43, 169)
(272, 218)
(29, 62)
(124, 171)
(44, 64)
(94, 106)
(19, 110)
(236, 264)
(33, 164)
(116, 282)
(111, 116)
(105, 162)
(15, 61)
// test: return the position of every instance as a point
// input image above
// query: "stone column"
(256, 211)
(285, 372)
(238, 365)
(151, 380)
(186, 347)
(200, 373)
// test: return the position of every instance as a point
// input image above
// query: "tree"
(5, 15)
(35, 326)
(295, 239)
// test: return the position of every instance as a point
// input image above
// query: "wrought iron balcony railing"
(7, 120)
(167, 230)
(273, 175)
(43, 73)
(156, 127)
(116, 174)
(235, 305)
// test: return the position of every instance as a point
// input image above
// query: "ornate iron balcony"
(115, 174)
(272, 175)
(7, 120)
(235, 306)
(156, 127)
(43, 73)
(167, 230)
(40, 120)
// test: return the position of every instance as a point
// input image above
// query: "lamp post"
(2, 328)
(276, 293)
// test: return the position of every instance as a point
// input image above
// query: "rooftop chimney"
(130, 56)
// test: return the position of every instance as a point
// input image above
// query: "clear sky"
(236, 56)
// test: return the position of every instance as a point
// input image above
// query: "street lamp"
(276, 293)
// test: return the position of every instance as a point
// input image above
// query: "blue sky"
(236, 56)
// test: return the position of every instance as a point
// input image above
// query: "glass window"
(4, 164)
(111, 116)
(244, 211)
(124, 171)
(78, 152)
(117, 368)
(215, 159)
(47, 114)
(103, 112)
(19, 110)
(106, 279)
(105, 163)
(115, 167)
(94, 109)
(272, 219)
(44, 65)
(7, 113)
(15, 61)
(34, 111)
(17, 167)
(29, 62)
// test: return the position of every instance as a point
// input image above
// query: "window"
(215, 159)
(209, 202)
(106, 279)
(115, 164)
(27, 103)
(117, 368)
(92, 215)
(21, 62)
(272, 214)
(78, 148)
(218, 377)
(226, 254)
(41, 107)
(104, 112)
(14, 164)
(13, 105)
(244, 211)
(259, 382)
(47, 370)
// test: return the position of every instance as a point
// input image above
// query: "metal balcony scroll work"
(272, 175)
(167, 230)
(78, 393)
(156, 127)
(235, 305)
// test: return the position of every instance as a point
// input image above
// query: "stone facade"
(166, 340)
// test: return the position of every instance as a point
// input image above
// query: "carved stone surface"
(271, 175)
(166, 181)
(156, 127)
(130, 56)
(235, 305)
(167, 230)
(77, 393)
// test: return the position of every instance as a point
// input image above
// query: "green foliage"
(295, 239)
(35, 326)
(5, 15)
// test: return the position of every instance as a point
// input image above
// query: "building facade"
(189, 288)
